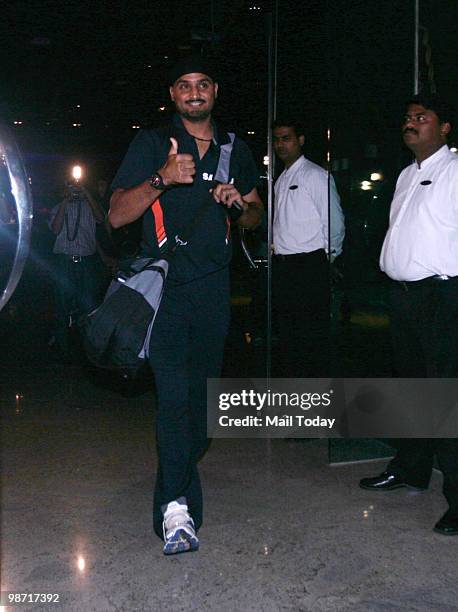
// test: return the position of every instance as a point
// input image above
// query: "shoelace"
(177, 518)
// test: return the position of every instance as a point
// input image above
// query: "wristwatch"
(156, 182)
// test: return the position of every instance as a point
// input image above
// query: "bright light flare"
(77, 172)
(81, 564)
(376, 176)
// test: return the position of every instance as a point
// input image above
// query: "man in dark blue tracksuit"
(165, 177)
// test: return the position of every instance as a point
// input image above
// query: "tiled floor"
(282, 529)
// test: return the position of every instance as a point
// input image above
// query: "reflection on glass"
(15, 215)
(8, 225)
(18, 399)
(81, 564)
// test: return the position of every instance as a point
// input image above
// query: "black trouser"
(186, 348)
(424, 331)
(76, 288)
(301, 298)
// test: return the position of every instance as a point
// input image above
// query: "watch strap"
(157, 182)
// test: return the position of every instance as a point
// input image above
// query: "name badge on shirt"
(293, 187)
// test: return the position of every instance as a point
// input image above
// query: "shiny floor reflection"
(282, 529)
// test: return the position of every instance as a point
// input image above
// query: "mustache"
(407, 130)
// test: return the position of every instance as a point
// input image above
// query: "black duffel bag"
(116, 335)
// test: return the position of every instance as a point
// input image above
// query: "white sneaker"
(179, 531)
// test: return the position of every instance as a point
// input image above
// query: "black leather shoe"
(387, 481)
(448, 525)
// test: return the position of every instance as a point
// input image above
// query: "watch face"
(156, 181)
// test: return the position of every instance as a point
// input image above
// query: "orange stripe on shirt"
(159, 221)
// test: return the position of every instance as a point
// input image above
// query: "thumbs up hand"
(173, 147)
(179, 169)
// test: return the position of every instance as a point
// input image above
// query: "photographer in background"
(77, 286)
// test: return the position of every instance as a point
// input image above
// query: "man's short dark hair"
(433, 102)
(290, 123)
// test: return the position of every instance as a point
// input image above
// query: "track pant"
(187, 345)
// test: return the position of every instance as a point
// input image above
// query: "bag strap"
(221, 176)
(224, 162)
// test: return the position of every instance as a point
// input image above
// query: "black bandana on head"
(189, 64)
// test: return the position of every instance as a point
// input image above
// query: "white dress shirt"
(422, 238)
(301, 211)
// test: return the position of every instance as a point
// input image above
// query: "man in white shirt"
(301, 243)
(420, 254)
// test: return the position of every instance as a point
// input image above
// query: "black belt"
(424, 282)
(74, 258)
(293, 256)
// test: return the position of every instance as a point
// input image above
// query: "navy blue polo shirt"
(209, 248)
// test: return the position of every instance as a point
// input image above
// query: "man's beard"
(196, 115)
